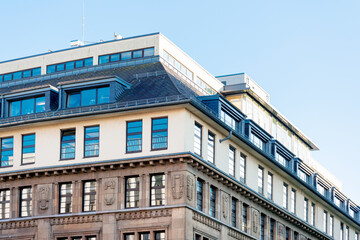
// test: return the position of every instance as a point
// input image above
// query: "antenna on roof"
(83, 23)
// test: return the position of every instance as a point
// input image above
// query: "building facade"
(132, 139)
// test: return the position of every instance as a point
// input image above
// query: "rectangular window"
(262, 227)
(293, 201)
(211, 147)
(132, 192)
(87, 97)
(68, 144)
(160, 235)
(212, 201)
(91, 147)
(144, 236)
(341, 231)
(4, 203)
(242, 164)
(159, 133)
(26, 202)
(272, 229)
(7, 151)
(285, 196)
(28, 149)
(302, 175)
(66, 198)
(89, 196)
(199, 195)
(306, 210)
(233, 212)
(198, 139)
(227, 119)
(280, 159)
(134, 136)
(325, 221)
(322, 190)
(312, 214)
(129, 236)
(27, 106)
(257, 141)
(158, 190)
(260, 180)
(356, 237)
(231, 161)
(244, 217)
(347, 233)
(296, 236)
(287, 233)
(270, 186)
(331, 226)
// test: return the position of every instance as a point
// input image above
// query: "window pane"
(159, 134)
(199, 195)
(15, 108)
(103, 95)
(115, 57)
(89, 198)
(27, 73)
(132, 192)
(4, 204)
(211, 148)
(103, 59)
(50, 69)
(26, 202)
(158, 190)
(27, 106)
(79, 63)
(125, 56)
(36, 71)
(148, 52)
(160, 235)
(91, 141)
(66, 198)
(197, 139)
(28, 149)
(40, 104)
(88, 97)
(134, 136)
(70, 65)
(68, 144)
(7, 146)
(73, 99)
(17, 75)
(88, 62)
(60, 67)
(137, 54)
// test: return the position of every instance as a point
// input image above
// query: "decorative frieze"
(206, 221)
(76, 219)
(144, 214)
(18, 224)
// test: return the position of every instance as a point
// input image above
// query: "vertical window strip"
(242, 164)
(66, 193)
(80, 63)
(91, 148)
(293, 201)
(285, 196)
(4, 203)
(20, 74)
(199, 195)
(325, 222)
(244, 219)
(233, 212)
(198, 139)
(159, 133)
(312, 214)
(7, 151)
(68, 144)
(28, 149)
(262, 226)
(158, 190)
(331, 225)
(306, 209)
(132, 192)
(212, 201)
(89, 196)
(232, 161)
(211, 147)
(134, 136)
(270, 186)
(272, 229)
(260, 180)
(26, 202)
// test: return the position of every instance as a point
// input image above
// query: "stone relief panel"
(109, 186)
(225, 205)
(255, 222)
(190, 187)
(281, 230)
(44, 198)
(178, 186)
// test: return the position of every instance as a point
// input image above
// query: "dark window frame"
(120, 55)
(64, 63)
(4, 203)
(127, 190)
(200, 203)
(89, 194)
(89, 139)
(61, 142)
(127, 135)
(213, 140)
(242, 155)
(199, 126)
(233, 161)
(233, 217)
(64, 196)
(26, 200)
(74, 91)
(1, 152)
(212, 201)
(152, 132)
(22, 147)
(10, 101)
(157, 187)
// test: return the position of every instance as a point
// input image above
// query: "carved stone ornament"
(44, 197)
(109, 188)
(225, 205)
(190, 187)
(255, 221)
(178, 186)
(282, 234)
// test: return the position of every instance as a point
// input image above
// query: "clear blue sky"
(304, 53)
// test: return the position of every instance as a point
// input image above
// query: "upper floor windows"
(27, 106)
(67, 144)
(293, 201)
(306, 209)
(242, 165)
(257, 141)
(303, 175)
(20, 74)
(157, 190)
(159, 133)
(28, 149)
(134, 136)
(244, 217)
(312, 214)
(7, 151)
(228, 120)
(69, 65)
(87, 97)
(331, 226)
(260, 180)
(338, 201)
(281, 159)
(198, 139)
(285, 196)
(4, 203)
(211, 148)
(91, 146)
(232, 161)
(325, 226)
(322, 189)
(115, 57)
(270, 185)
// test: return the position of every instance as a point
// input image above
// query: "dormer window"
(87, 97)
(27, 106)
(322, 189)
(281, 159)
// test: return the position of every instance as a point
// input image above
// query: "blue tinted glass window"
(125, 56)
(17, 75)
(88, 62)
(88, 97)
(27, 106)
(91, 141)
(70, 65)
(15, 108)
(137, 54)
(148, 52)
(79, 63)
(60, 67)
(115, 57)
(7, 147)
(50, 69)
(134, 136)
(40, 104)
(68, 144)
(103, 95)
(36, 71)
(7, 77)
(73, 99)
(27, 73)
(159, 133)
(28, 149)
(1, 78)
(103, 59)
